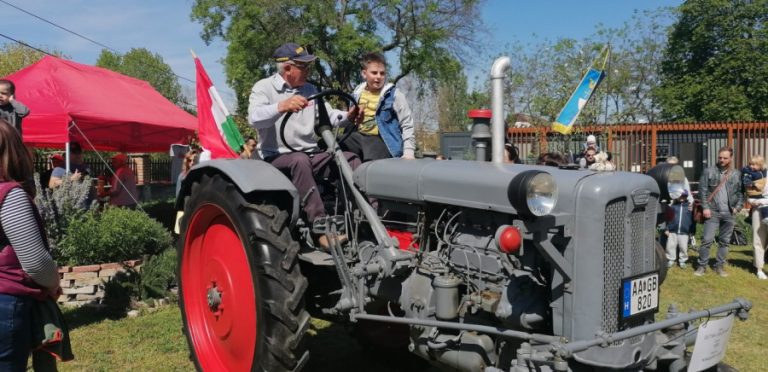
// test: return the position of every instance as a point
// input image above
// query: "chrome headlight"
(533, 193)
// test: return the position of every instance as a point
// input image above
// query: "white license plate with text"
(639, 295)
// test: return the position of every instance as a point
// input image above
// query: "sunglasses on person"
(300, 66)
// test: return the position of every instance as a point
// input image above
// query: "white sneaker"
(761, 275)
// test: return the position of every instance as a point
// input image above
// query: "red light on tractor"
(508, 239)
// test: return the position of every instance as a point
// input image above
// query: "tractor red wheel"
(241, 293)
(219, 295)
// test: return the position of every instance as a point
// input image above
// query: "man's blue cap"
(292, 52)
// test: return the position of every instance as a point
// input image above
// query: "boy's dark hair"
(249, 138)
(10, 84)
(373, 57)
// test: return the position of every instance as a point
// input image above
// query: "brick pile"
(83, 285)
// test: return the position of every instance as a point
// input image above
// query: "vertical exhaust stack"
(498, 73)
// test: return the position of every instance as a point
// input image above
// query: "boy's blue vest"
(386, 119)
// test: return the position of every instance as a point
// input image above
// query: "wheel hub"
(214, 298)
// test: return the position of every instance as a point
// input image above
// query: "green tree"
(427, 37)
(145, 65)
(715, 65)
(14, 57)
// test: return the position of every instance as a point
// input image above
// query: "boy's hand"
(293, 104)
(355, 114)
(707, 213)
(11, 98)
(666, 233)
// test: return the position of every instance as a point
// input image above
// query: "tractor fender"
(249, 176)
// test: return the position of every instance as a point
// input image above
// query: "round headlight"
(533, 193)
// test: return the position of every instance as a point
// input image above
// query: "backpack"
(738, 237)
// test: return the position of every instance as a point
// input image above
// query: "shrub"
(163, 211)
(113, 235)
(158, 275)
(59, 207)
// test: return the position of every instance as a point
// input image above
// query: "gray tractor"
(488, 266)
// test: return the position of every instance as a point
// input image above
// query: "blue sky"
(164, 27)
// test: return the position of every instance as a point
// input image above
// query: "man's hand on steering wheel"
(293, 104)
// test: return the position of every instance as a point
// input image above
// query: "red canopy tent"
(114, 112)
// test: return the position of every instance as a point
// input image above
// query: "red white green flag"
(217, 130)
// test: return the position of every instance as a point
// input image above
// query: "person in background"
(552, 159)
(28, 273)
(11, 110)
(678, 230)
(511, 153)
(590, 144)
(190, 159)
(385, 126)
(77, 169)
(687, 185)
(249, 149)
(721, 197)
(756, 190)
(588, 159)
(123, 191)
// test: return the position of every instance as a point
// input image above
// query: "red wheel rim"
(218, 292)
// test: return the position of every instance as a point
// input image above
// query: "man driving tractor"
(283, 93)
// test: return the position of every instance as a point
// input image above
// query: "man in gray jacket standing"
(721, 198)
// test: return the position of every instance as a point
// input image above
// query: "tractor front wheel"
(240, 289)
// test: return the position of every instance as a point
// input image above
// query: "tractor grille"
(613, 262)
(642, 235)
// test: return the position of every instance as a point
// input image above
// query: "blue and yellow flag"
(579, 98)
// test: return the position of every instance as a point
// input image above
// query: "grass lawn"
(153, 341)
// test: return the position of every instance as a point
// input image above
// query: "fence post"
(653, 145)
(543, 144)
(730, 135)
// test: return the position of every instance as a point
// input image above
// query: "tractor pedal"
(316, 257)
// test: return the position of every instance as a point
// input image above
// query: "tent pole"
(66, 155)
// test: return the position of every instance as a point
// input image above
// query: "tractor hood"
(471, 184)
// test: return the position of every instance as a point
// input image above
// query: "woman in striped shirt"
(27, 270)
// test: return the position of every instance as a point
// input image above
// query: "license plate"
(639, 295)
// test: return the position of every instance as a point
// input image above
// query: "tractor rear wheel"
(241, 292)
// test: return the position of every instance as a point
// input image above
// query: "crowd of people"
(722, 192)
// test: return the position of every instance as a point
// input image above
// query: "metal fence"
(636, 148)
(148, 170)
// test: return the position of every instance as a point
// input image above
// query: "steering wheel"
(323, 119)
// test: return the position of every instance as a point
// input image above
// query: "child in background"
(678, 230)
(753, 178)
(11, 110)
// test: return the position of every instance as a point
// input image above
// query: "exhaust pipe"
(498, 73)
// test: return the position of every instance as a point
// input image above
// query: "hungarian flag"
(217, 131)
